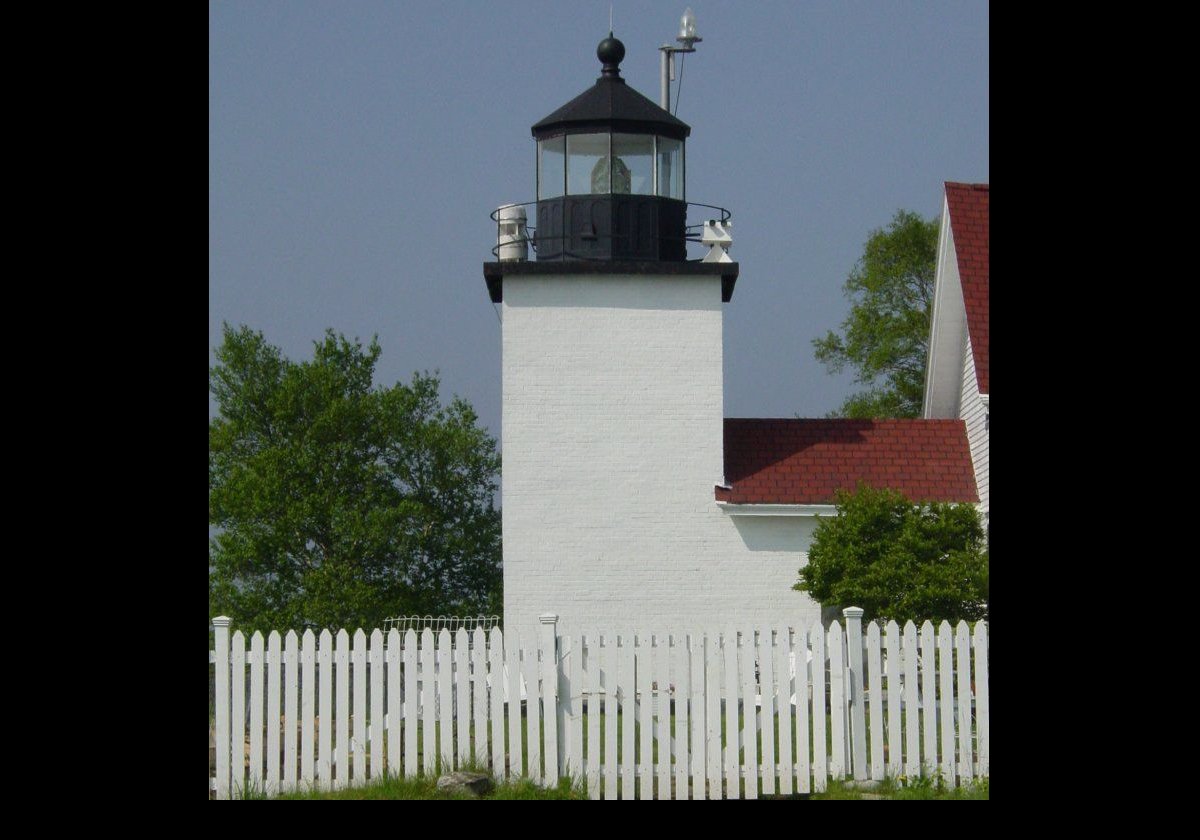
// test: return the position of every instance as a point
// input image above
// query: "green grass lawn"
(425, 787)
(392, 787)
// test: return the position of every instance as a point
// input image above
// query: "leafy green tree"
(339, 503)
(898, 560)
(885, 338)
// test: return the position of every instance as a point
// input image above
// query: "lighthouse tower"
(612, 382)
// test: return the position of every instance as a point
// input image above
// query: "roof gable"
(805, 461)
(968, 209)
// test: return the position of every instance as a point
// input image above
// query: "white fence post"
(858, 727)
(221, 626)
(549, 628)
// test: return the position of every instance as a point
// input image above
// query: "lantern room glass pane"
(670, 168)
(552, 167)
(633, 164)
(587, 164)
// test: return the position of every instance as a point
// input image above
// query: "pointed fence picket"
(590, 659)
(874, 697)
(765, 657)
(375, 766)
(837, 703)
(395, 700)
(237, 662)
(325, 726)
(308, 650)
(257, 668)
(895, 753)
(342, 756)
(291, 687)
(820, 763)
(533, 716)
(744, 712)
(929, 704)
(495, 665)
(784, 693)
(982, 715)
(802, 695)
(643, 673)
(479, 703)
(946, 718)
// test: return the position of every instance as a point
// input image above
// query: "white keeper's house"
(630, 501)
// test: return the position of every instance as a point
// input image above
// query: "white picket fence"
(736, 713)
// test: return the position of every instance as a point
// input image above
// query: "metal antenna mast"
(688, 37)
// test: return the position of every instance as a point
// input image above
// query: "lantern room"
(611, 174)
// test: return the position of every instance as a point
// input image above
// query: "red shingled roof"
(969, 222)
(804, 461)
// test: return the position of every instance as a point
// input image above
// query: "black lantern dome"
(610, 174)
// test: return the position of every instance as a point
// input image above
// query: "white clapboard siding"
(395, 699)
(375, 658)
(412, 703)
(928, 701)
(496, 677)
(291, 705)
(274, 675)
(946, 718)
(875, 701)
(962, 662)
(782, 660)
(733, 714)
(257, 672)
(325, 710)
(308, 705)
(237, 714)
(982, 722)
(479, 698)
(895, 751)
(912, 745)
(341, 656)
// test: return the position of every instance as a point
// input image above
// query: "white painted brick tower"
(613, 410)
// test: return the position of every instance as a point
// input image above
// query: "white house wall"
(974, 414)
(612, 443)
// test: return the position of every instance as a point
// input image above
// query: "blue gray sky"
(356, 150)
